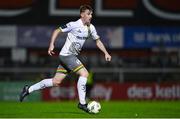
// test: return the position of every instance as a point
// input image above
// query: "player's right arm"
(53, 39)
(64, 28)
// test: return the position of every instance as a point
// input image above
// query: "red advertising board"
(117, 91)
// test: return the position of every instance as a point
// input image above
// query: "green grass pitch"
(68, 109)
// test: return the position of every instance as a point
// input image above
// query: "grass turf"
(117, 109)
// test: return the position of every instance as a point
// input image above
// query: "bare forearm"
(101, 46)
(53, 39)
(103, 49)
(54, 36)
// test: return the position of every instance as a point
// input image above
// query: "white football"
(94, 107)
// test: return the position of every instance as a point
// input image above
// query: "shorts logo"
(78, 62)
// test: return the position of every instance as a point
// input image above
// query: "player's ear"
(82, 14)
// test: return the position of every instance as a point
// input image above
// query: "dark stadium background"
(143, 37)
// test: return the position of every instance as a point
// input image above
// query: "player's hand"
(108, 57)
(50, 50)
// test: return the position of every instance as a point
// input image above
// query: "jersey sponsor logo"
(81, 38)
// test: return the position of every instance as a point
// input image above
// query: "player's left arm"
(101, 46)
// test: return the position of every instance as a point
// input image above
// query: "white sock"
(81, 86)
(41, 85)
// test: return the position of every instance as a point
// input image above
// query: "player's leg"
(55, 81)
(81, 86)
(74, 64)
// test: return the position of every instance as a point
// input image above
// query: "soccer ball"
(94, 107)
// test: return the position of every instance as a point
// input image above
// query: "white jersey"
(78, 33)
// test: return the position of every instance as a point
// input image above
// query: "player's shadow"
(63, 112)
(71, 112)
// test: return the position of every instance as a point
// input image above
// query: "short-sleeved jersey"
(77, 34)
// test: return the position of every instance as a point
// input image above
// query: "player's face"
(87, 16)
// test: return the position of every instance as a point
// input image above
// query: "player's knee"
(84, 74)
(56, 81)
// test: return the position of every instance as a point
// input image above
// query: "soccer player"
(77, 33)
